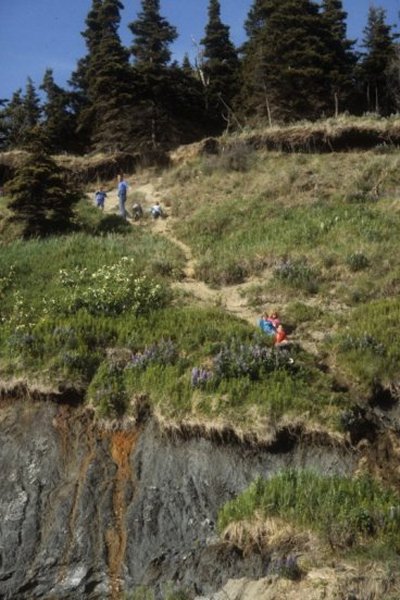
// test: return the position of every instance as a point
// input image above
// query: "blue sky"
(40, 34)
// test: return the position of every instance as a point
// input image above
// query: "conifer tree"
(110, 83)
(103, 81)
(379, 42)
(187, 67)
(3, 125)
(221, 65)
(20, 115)
(31, 104)
(59, 122)
(168, 97)
(79, 81)
(12, 118)
(256, 18)
(286, 60)
(153, 36)
(40, 196)
(342, 59)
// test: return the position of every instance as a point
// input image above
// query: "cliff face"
(89, 513)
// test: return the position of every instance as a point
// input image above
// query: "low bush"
(92, 221)
(297, 313)
(357, 261)
(298, 274)
(107, 391)
(108, 290)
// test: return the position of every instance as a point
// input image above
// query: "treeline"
(297, 62)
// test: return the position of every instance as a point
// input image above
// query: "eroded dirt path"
(230, 298)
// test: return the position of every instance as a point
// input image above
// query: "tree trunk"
(336, 97)
(377, 109)
(268, 107)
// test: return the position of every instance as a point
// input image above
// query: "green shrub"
(298, 312)
(109, 290)
(357, 261)
(107, 391)
(226, 273)
(92, 221)
(141, 593)
(298, 274)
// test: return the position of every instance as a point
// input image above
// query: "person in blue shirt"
(122, 193)
(266, 325)
(100, 197)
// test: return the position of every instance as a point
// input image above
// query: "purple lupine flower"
(163, 352)
(200, 377)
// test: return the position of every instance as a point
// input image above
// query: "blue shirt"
(122, 189)
(267, 326)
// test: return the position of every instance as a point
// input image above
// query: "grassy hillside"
(320, 234)
(98, 314)
(313, 235)
(139, 317)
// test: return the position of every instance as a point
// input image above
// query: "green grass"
(37, 264)
(76, 309)
(347, 513)
(367, 348)
(232, 242)
(323, 210)
(198, 337)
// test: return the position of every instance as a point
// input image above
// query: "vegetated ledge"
(279, 438)
(82, 170)
(19, 389)
(344, 134)
(322, 137)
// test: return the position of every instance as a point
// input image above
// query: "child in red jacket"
(280, 335)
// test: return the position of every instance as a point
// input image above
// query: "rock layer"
(90, 512)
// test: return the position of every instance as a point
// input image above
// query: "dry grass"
(268, 535)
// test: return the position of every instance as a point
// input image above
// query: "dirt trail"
(230, 298)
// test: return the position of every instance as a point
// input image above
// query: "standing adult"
(122, 193)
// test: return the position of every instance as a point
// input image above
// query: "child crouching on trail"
(156, 211)
(271, 325)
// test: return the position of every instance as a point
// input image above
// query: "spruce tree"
(40, 196)
(19, 116)
(342, 57)
(103, 81)
(286, 60)
(379, 42)
(221, 67)
(153, 36)
(83, 107)
(110, 86)
(59, 122)
(160, 111)
(12, 121)
(3, 124)
(187, 67)
(31, 104)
